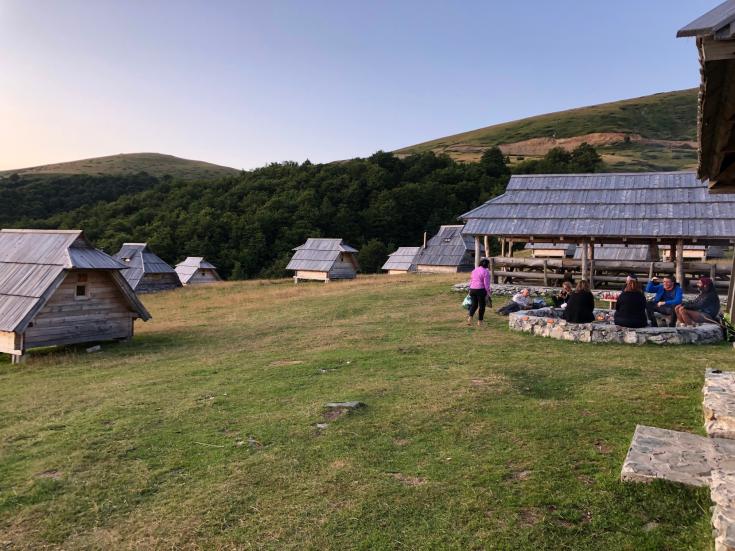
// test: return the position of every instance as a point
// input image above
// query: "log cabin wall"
(343, 267)
(87, 306)
(203, 276)
(156, 282)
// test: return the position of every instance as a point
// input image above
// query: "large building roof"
(665, 205)
(447, 248)
(318, 254)
(715, 32)
(188, 267)
(140, 260)
(404, 258)
(33, 263)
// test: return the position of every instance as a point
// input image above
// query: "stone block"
(719, 403)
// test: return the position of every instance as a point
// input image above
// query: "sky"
(245, 83)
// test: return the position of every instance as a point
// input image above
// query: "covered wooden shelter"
(56, 289)
(551, 250)
(449, 251)
(646, 209)
(323, 259)
(195, 270)
(146, 272)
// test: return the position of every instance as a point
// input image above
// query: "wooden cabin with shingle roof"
(56, 289)
(402, 261)
(195, 270)
(447, 252)
(323, 259)
(146, 272)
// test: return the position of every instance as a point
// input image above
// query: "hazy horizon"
(245, 84)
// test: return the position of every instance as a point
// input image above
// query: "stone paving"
(547, 322)
(719, 403)
(695, 460)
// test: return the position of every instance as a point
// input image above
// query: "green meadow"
(201, 433)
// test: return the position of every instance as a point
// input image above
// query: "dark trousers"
(509, 308)
(652, 308)
(479, 299)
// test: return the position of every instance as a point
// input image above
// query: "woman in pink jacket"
(479, 291)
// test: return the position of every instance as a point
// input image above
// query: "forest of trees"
(248, 224)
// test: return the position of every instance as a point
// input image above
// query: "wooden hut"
(402, 261)
(195, 270)
(323, 259)
(146, 272)
(56, 289)
(447, 252)
(671, 209)
(551, 250)
(715, 34)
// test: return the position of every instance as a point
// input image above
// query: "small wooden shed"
(56, 289)
(323, 259)
(146, 272)
(402, 261)
(447, 252)
(551, 250)
(195, 270)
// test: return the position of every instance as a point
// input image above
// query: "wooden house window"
(81, 292)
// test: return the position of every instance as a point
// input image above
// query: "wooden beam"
(487, 246)
(731, 292)
(546, 273)
(477, 251)
(680, 262)
(585, 267)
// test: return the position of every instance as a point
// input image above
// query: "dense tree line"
(248, 224)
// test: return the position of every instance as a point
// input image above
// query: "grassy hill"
(201, 433)
(154, 164)
(655, 132)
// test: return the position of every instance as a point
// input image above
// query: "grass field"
(201, 432)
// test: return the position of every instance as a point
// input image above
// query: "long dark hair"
(485, 263)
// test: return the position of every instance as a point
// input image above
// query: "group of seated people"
(632, 309)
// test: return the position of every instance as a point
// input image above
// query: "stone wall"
(547, 322)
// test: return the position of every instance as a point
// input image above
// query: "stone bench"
(695, 460)
(548, 322)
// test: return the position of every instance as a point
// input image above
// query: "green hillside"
(654, 132)
(154, 164)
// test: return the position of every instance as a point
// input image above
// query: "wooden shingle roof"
(448, 247)
(140, 260)
(666, 205)
(404, 258)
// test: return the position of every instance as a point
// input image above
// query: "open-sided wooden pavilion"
(652, 209)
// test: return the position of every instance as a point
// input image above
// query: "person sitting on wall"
(561, 298)
(580, 305)
(520, 301)
(630, 309)
(704, 308)
(668, 296)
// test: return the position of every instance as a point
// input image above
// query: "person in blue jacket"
(668, 297)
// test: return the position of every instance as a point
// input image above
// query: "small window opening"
(81, 291)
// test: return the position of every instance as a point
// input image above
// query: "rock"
(345, 405)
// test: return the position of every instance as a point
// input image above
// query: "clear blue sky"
(244, 83)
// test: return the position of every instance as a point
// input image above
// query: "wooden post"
(592, 265)
(680, 263)
(585, 250)
(487, 246)
(731, 292)
(546, 273)
(502, 247)
(650, 272)
(510, 248)
(492, 270)
(477, 251)
(713, 273)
